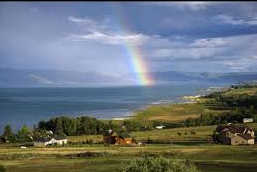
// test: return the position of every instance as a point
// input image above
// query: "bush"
(87, 155)
(149, 140)
(193, 132)
(158, 164)
(2, 168)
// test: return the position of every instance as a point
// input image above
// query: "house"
(124, 139)
(234, 135)
(112, 137)
(246, 120)
(57, 140)
(242, 139)
(109, 136)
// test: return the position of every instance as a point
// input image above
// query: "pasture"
(208, 156)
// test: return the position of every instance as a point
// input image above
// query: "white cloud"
(238, 68)
(158, 48)
(197, 49)
(210, 49)
(193, 5)
(136, 39)
(89, 24)
(185, 53)
(233, 21)
(213, 42)
(102, 32)
(235, 66)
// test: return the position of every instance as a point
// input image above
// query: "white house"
(43, 142)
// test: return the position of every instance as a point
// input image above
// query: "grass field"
(180, 112)
(209, 157)
(240, 91)
(172, 112)
(202, 133)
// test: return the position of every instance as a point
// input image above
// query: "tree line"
(233, 116)
(23, 135)
(66, 126)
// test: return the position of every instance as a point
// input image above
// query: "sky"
(117, 38)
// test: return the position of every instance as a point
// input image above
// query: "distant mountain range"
(57, 78)
(233, 77)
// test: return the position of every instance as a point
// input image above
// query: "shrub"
(2, 168)
(158, 164)
(87, 155)
(147, 164)
(193, 132)
(149, 140)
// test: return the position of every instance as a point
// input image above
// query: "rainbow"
(139, 66)
(135, 55)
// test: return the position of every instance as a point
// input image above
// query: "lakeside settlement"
(217, 128)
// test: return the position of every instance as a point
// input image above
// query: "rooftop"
(233, 128)
(47, 139)
(246, 136)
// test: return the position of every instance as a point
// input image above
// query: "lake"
(20, 106)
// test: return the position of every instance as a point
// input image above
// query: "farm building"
(124, 139)
(234, 135)
(57, 140)
(109, 137)
(112, 137)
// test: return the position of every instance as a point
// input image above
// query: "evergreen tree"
(8, 131)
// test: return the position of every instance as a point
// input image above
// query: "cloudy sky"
(95, 36)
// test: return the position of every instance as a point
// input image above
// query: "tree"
(69, 126)
(58, 126)
(8, 135)
(24, 134)
(77, 126)
(8, 130)
(42, 125)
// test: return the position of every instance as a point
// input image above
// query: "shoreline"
(126, 115)
(186, 99)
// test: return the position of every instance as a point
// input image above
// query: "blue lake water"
(20, 106)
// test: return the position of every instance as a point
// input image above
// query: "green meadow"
(195, 147)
